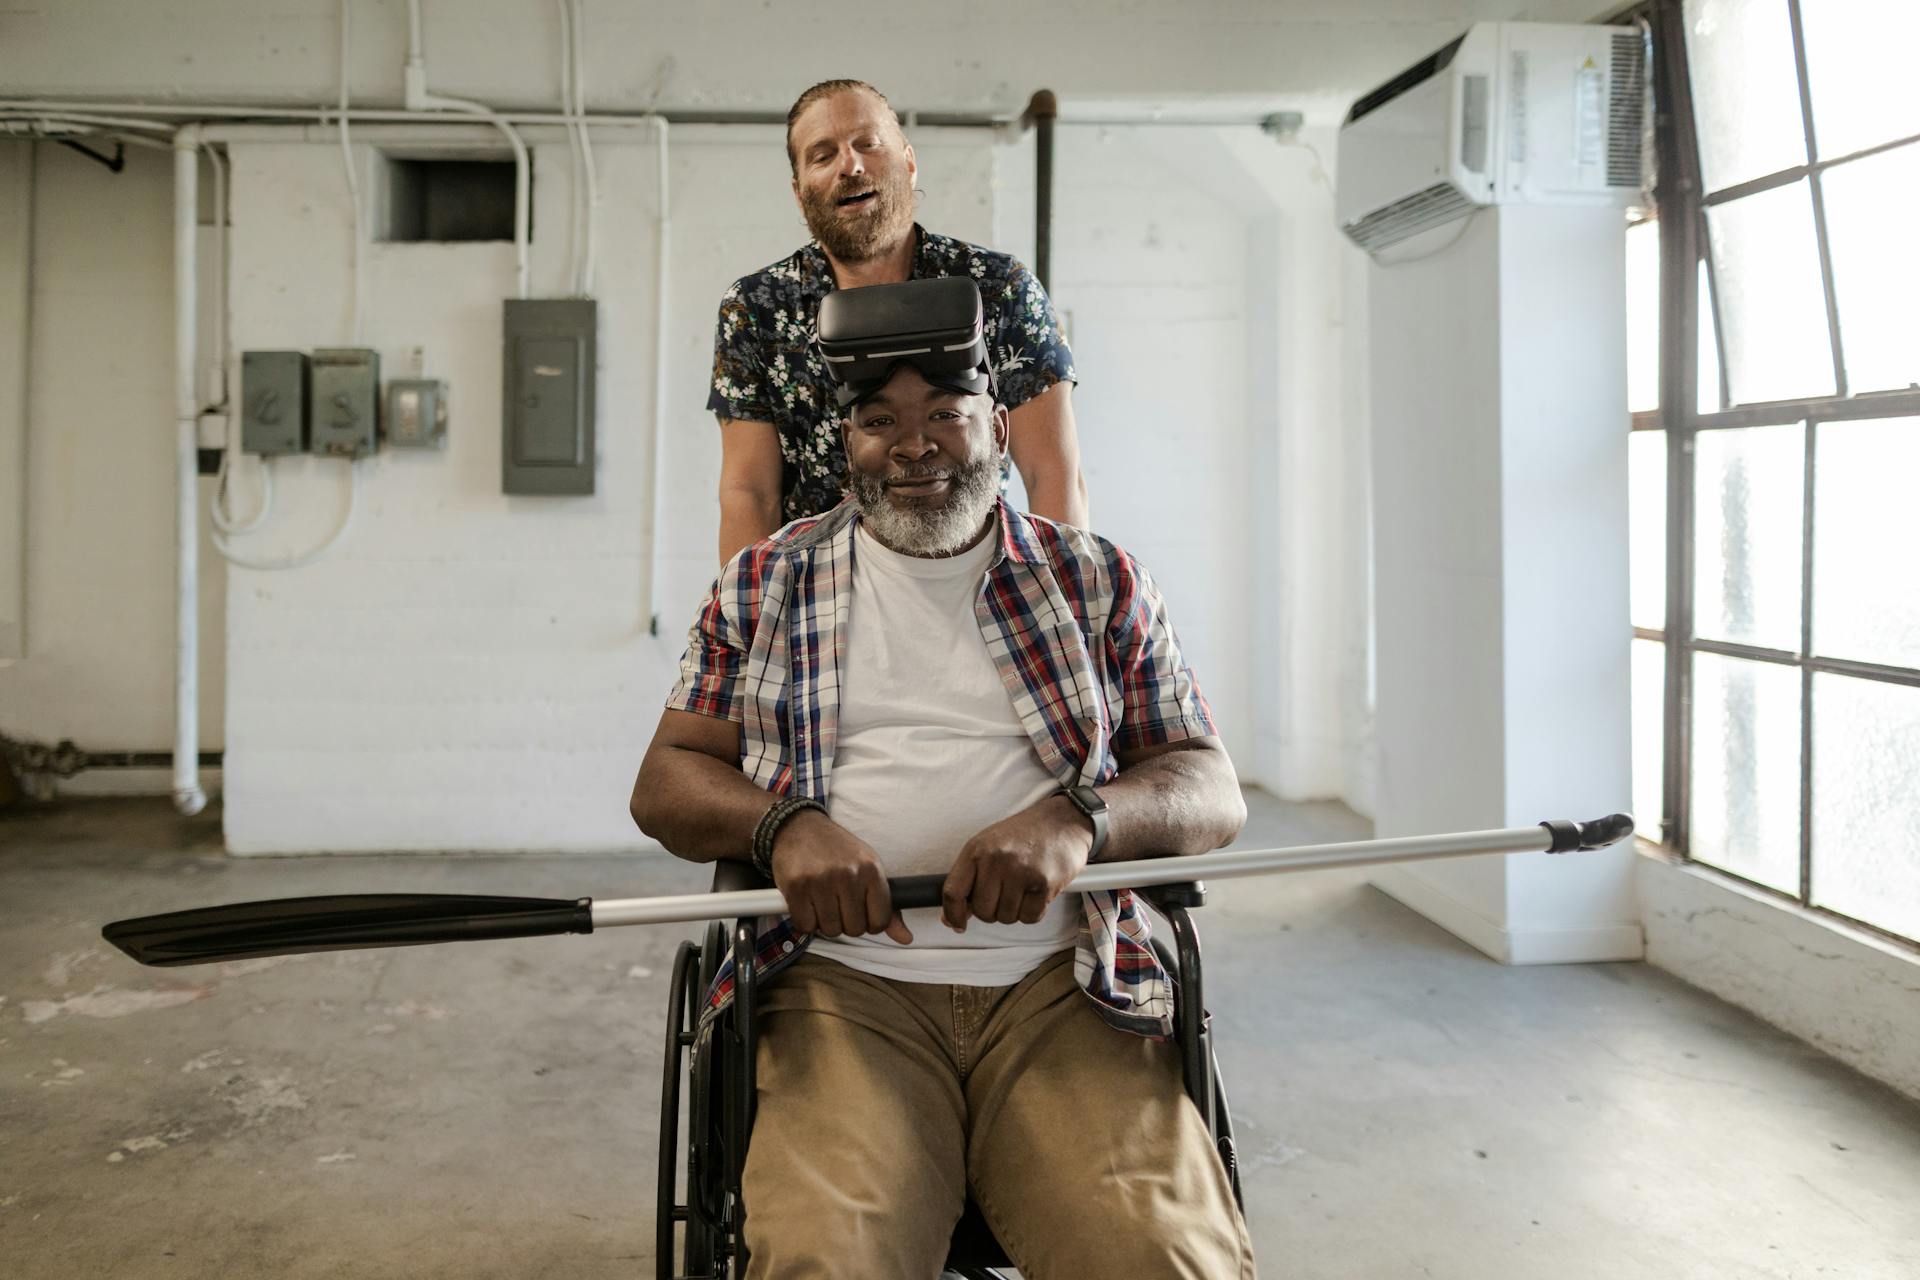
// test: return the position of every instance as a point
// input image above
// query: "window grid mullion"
(1815, 191)
(1682, 226)
(1810, 432)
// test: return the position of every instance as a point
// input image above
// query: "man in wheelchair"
(924, 680)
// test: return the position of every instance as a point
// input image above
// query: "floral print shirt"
(766, 367)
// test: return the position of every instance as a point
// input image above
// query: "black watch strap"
(1089, 802)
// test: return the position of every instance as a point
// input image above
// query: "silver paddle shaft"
(1223, 865)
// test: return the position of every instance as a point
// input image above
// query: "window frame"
(1680, 206)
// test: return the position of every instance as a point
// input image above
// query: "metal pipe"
(664, 232)
(639, 119)
(421, 104)
(1225, 865)
(188, 798)
(1042, 110)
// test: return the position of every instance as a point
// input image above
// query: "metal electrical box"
(417, 413)
(345, 399)
(273, 402)
(547, 445)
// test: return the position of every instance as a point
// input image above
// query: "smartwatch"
(1088, 801)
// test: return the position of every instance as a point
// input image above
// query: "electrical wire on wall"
(1284, 128)
(584, 189)
(576, 234)
(221, 510)
(223, 522)
(418, 99)
(353, 177)
(579, 111)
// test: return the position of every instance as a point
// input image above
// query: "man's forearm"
(745, 518)
(1173, 804)
(1060, 496)
(700, 808)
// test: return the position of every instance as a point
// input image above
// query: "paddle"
(340, 922)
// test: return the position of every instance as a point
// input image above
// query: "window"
(1776, 536)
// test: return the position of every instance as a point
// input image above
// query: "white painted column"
(16, 283)
(1500, 541)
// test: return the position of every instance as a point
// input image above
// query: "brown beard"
(868, 236)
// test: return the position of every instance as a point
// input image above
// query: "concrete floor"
(1406, 1107)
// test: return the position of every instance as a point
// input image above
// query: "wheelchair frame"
(720, 1092)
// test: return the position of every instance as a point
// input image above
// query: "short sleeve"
(1030, 353)
(1160, 697)
(712, 668)
(739, 381)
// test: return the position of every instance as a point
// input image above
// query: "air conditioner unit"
(1509, 113)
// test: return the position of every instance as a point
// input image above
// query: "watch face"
(1088, 800)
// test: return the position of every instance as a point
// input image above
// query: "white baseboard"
(1509, 946)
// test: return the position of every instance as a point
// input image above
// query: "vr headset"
(933, 325)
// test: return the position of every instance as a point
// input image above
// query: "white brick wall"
(463, 644)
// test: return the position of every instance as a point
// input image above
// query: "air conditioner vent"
(1390, 224)
(1625, 111)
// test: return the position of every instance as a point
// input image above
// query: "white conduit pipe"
(664, 242)
(188, 798)
(578, 109)
(575, 233)
(419, 100)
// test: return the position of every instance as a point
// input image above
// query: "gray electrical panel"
(273, 402)
(345, 399)
(547, 445)
(417, 413)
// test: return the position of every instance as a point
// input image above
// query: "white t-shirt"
(929, 753)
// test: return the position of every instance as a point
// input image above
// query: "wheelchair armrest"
(731, 876)
(1185, 893)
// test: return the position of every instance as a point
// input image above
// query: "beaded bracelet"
(771, 821)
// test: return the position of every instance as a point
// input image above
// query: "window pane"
(1866, 810)
(1746, 93)
(1649, 734)
(1647, 528)
(1748, 495)
(1745, 810)
(1866, 577)
(1876, 265)
(1773, 310)
(1860, 69)
(1643, 317)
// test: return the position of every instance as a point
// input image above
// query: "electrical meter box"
(344, 395)
(547, 445)
(273, 402)
(416, 413)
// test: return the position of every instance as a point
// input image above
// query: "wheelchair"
(718, 1089)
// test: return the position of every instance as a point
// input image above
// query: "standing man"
(853, 178)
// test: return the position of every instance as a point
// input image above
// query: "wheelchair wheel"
(666, 1210)
(692, 971)
(706, 1243)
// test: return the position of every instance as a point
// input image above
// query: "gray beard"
(931, 531)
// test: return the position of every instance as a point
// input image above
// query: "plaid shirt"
(1080, 636)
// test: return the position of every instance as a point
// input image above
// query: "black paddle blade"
(340, 922)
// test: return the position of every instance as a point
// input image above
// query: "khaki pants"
(882, 1103)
